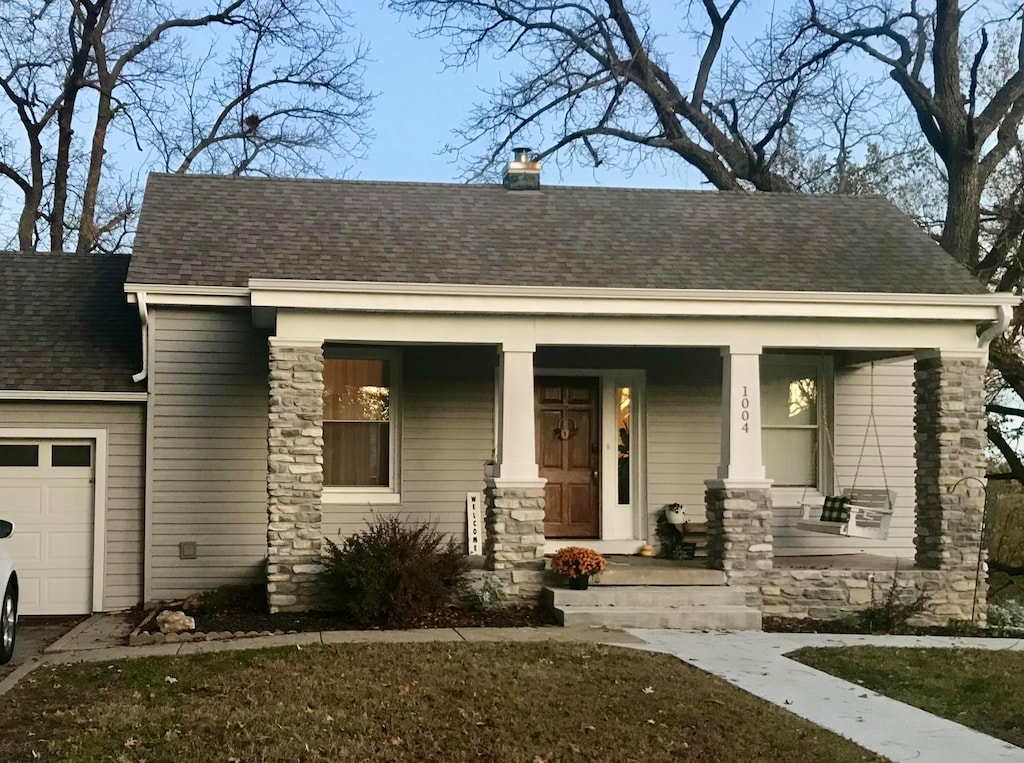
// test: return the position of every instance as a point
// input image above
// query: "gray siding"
(209, 375)
(684, 431)
(125, 425)
(894, 413)
(447, 433)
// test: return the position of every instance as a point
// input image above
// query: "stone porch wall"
(830, 594)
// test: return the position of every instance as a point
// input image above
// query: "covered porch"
(596, 422)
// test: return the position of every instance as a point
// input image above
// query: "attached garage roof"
(66, 325)
(222, 231)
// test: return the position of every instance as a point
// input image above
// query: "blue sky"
(419, 103)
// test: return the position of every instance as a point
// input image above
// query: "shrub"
(893, 611)
(1006, 618)
(392, 573)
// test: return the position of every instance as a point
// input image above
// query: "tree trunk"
(33, 197)
(73, 83)
(963, 210)
(88, 232)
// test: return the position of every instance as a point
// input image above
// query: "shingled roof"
(221, 231)
(66, 325)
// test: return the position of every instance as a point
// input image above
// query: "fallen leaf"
(403, 689)
(131, 742)
(171, 679)
(396, 741)
(648, 690)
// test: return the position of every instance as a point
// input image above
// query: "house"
(313, 351)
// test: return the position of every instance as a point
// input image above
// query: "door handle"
(594, 475)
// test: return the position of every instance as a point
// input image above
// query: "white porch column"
(738, 504)
(514, 547)
(741, 415)
(517, 446)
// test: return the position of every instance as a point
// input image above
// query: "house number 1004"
(745, 410)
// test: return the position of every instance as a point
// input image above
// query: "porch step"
(723, 617)
(643, 596)
(688, 607)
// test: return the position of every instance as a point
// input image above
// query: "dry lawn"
(404, 702)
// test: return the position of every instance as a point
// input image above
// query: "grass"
(979, 688)
(536, 703)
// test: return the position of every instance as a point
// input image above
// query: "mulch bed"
(245, 610)
(808, 625)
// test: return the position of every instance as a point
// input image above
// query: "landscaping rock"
(175, 622)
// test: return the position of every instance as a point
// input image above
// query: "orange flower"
(575, 561)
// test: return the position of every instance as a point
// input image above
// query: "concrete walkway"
(756, 662)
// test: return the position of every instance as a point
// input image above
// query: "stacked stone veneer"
(739, 534)
(828, 594)
(294, 475)
(949, 421)
(514, 546)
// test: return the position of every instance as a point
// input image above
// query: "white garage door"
(46, 489)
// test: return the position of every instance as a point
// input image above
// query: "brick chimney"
(523, 172)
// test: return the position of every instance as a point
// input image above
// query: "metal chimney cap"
(522, 153)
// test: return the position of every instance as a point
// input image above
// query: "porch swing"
(857, 512)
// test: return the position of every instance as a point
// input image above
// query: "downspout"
(140, 299)
(998, 327)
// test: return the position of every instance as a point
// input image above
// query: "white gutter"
(140, 298)
(998, 327)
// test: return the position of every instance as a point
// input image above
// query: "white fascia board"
(205, 296)
(557, 300)
(94, 397)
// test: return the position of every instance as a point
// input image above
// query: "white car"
(9, 602)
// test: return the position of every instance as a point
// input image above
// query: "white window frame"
(391, 493)
(786, 494)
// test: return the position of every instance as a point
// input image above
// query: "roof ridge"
(707, 192)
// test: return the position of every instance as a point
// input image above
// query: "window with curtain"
(790, 421)
(357, 422)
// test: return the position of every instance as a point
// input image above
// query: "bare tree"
(275, 88)
(923, 102)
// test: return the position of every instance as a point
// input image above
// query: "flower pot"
(579, 582)
(675, 516)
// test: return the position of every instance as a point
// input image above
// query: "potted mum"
(578, 563)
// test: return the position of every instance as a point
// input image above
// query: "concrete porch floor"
(872, 562)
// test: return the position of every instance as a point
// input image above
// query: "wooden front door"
(568, 453)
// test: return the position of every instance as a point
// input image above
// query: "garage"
(47, 489)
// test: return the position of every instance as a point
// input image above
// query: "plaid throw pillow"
(835, 509)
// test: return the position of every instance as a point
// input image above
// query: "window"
(19, 455)
(358, 422)
(71, 455)
(623, 424)
(791, 412)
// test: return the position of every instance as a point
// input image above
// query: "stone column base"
(739, 518)
(514, 547)
(291, 584)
